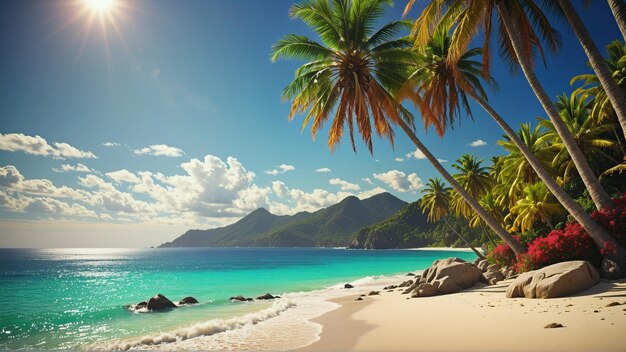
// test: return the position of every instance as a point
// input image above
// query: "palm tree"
(356, 72)
(437, 80)
(519, 40)
(489, 202)
(515, 169)
(537, 204)
(474, 178)
(436, 204)
(590, 137)
(600, 67)
(618, 7)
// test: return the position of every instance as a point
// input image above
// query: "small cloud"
(77, 168)
(160, 150)
(442, 160)
(345, 185)
(367, 180)
(111, 144)
(398, 159)
(323, 169)
(417, 154)
(400, 181)
(280, 169)
(123, 176)
(478, 143)
(36, 145)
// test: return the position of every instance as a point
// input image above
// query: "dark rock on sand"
(553, 325)
(390, 287)
(359, 299)
(446, 285)
(557, 280)
(406, 283)
(613, 304)
(373, 293)
(188, 300)
(239, 299)
(348, 286)
(493, 276)
(410, 274)
(160, 302)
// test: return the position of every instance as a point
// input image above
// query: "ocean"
(78, 298)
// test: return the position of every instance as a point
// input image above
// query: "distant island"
(382, 221)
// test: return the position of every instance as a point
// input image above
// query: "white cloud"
(417, 154)
(111, 144)
(37, 145)
(442, 160)
(12, 180)
(398, 159)
(368, 180)
(371, 192)
(279, 188)
(399, 181)
(123, 175)
(323, 169)
(345, 185)
(478, 143)
(280, 169)
(160, 150)
(77, 168)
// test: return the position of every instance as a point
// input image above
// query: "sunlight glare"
(100, 6)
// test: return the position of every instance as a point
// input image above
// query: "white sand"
(481, 319)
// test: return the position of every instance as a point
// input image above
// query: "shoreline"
(481, 318)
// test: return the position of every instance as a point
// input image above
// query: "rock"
(464, 274)
(557, 280)
(410, 288)
(390, 287)
(240, 298)
(410, 274)
(613, 304)
(348, 286)
(553, 325)
(267, 296)
(160, 302)
(446, 285)
(359, 299)
(406, 283)
(493, 267)
(188, 300)
(493, 276)
(140, 305)
(483, 264)
(373, 293)
(424, 290)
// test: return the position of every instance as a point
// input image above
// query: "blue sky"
(170, 117)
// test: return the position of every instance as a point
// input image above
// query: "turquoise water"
(72, 298)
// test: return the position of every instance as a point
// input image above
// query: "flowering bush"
(502, 255)
(571, 243)
(614, 220)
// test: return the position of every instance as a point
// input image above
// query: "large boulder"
(462, 273)
(188, 300)
(493, 277)
(483, 264)
(424, 290)
(557, 280)
(446, 285)
(160, 302)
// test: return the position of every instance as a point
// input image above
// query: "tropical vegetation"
(553, 186)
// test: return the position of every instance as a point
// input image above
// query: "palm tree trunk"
(517, 247)
(613, 91)
(599, 196)
(618, 7)
(480, 255)
(596, 231)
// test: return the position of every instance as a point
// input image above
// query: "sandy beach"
(479, 319)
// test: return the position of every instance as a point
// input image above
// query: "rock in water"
(557, 280)
(188, 300)
(348, 286)
(160, 302)
(267, 296)
(240, 298)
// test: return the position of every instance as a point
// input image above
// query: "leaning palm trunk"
(599, 196)
(480, 255)
(596, 231)
(613, 91)
(517, 247)
(618, 7)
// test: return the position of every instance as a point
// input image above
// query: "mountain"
(329, 227)
(409, 228)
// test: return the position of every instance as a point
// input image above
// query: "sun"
(100, 6)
